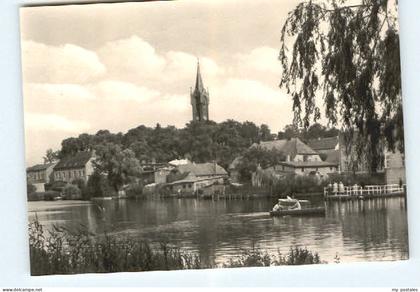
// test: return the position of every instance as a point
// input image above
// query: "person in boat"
(296, 206)
(278, 206)
(289, 201)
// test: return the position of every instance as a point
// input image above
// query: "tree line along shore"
(219, 154)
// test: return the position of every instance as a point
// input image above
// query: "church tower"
(199, 99)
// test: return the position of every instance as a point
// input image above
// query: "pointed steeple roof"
(198, 81)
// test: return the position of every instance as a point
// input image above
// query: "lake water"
(354, 230)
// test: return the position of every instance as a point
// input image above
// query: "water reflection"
(356, 230)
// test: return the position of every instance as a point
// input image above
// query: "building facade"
(194, 177)
(39, 175)
(199, 99)
(337, 150)
(300, 160)
(77, 166)
(192, 184)
(394, 166)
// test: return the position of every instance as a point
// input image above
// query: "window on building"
(305, 157)
(303, 170)
(386, 160)
(184, 186)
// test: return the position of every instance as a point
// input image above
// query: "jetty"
(367, 192)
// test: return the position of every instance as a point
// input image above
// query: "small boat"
(289, 200)
(299, 212)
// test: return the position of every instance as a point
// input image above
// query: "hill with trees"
(197, 141)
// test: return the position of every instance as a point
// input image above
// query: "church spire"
(198, 81)
(199, 98)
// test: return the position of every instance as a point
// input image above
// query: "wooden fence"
(358, 191)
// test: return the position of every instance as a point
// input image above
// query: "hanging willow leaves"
(345, 58)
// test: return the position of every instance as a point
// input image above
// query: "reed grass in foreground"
(65, 251)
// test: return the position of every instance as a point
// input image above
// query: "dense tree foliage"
(314, 131)
(51, 156)
(98, 186)
(71, 192)
(346, 56)
(198, 141)
(86, 142)
(120, 166)
(257, 156)
(30, 188)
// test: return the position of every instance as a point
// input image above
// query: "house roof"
(333, 156)
(40, 167)
(77, 160)
(188, 178)
(298, 164)
(323, 143)
(201, 169)
(191, 179)
(291, 147)
(177, 162)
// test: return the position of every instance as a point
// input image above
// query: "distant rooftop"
(291, 147)
(323, 143)
(40, 167)
(77, 160)
(177, 162)
(308, 163)
(202, 169)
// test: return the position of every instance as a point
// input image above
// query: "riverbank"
(80, 251)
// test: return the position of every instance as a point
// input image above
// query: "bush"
(35, 197)
(50, 195)
(57, 186)
(361, 179)
(46, 196)
(98, 186)
(257, 258)
(291, 184)
(30, 188)
(81, 184)
(134, 190)
(80, 251)
(72, 192)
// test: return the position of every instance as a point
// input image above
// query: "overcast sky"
(116, 66)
